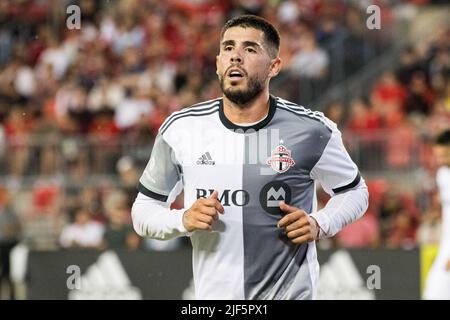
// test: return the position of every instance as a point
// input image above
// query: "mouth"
(235, 74)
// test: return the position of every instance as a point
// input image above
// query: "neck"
(253, 111)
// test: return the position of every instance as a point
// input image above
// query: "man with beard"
(438, 280)
(248, 163)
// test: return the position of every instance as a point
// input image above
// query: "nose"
(236, 58)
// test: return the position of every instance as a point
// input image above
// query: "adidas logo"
(106, 279)
(206, 159)
(340, 279)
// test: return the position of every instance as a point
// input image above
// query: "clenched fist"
(203, 213)
(298, 225)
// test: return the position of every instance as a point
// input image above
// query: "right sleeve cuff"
(178, 221)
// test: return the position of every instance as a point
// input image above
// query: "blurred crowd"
(392, 129)
(64, 92)
(79, 109)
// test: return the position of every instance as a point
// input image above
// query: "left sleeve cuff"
(323, 221)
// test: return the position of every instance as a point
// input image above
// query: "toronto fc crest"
(281, 159)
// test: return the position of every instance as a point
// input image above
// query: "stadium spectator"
(402, 231)
(363, 233)
(119, 232)
(438, 281)
(76, 178)
(420, 97)
(409, 64)
(335, 111)
(429, 231)
(45, 144)
(17, 128)
(41, 212)
(439, 118)
(9, 237)
(362, 120)
(401, 147)
(84, 232)
(363, 127)
(311, 61)
(132, 108)
(104, 135)
(439, 70)
(388, 98)
(390, 204)
(356, 48)
(129, 177)
(2, 145)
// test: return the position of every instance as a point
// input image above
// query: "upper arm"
(161, 173)
(335, 170)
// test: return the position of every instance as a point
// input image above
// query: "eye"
(228, 48)
(250, 49)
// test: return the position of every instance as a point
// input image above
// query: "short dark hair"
(443, 139)
(271, 35)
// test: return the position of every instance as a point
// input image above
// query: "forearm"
(154, 219)
(341, 210)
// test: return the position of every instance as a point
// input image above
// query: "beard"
(241, 97)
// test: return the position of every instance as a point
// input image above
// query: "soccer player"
(438, 280)
(248, 163)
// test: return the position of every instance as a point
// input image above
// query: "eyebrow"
(228, 42)
(245, 43)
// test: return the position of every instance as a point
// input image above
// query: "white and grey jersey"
(246, 256)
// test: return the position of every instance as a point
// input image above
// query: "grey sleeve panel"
(161, 173)
(335, 169)
(321, 136)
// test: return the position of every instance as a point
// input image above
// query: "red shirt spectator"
(403, 231)
(363, 121)
(401, 145)
(17, 127)
(360, 234)
(103, 126)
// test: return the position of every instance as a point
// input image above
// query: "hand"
(203, 213)
(298, 225)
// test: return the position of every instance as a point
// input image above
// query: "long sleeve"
(159, 184)
(154, 219)
(341, 210)
(339, 177)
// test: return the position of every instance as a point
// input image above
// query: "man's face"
(244, 66)
(442, 155)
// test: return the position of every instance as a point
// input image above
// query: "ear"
(217, 64)
(275, 67)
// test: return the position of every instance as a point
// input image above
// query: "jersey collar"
(230, 125)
